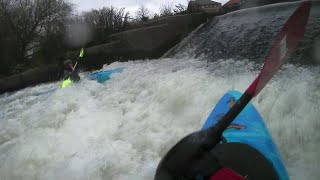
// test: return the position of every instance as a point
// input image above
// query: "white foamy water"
(120, 130)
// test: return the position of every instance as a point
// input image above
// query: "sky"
(130, 5)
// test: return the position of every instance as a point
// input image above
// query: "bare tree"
(166, 9)
(78, 32)
(107, 21)
(31, 20)
(7, 48)
(180, 9)
(156, 16)
(143, 14)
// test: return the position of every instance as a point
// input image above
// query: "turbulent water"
(249, 34)
(120, 130)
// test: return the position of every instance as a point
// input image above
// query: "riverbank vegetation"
(38, 32)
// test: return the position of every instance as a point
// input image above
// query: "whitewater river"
(120, 130)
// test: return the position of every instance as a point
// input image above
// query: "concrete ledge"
(29, 78)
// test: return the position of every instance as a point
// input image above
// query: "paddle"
(285, 43)
(80, 56)
(188, 157)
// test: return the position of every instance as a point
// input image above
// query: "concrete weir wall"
(30, 77)
(151, 41)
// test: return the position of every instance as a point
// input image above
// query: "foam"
(120, 130)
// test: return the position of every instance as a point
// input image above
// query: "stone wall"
(256, 3)
(29, 78)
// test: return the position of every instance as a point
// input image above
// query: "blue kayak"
(45, 92)
(103, 76)
(247, 128)
(100, 77)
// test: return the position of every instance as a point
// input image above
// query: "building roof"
(232, 2)
(204, 2)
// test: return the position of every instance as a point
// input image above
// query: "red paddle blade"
(285, 43)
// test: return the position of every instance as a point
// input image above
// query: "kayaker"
(70, 71)
(191, 158)
(70, 74)
(206, 155)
